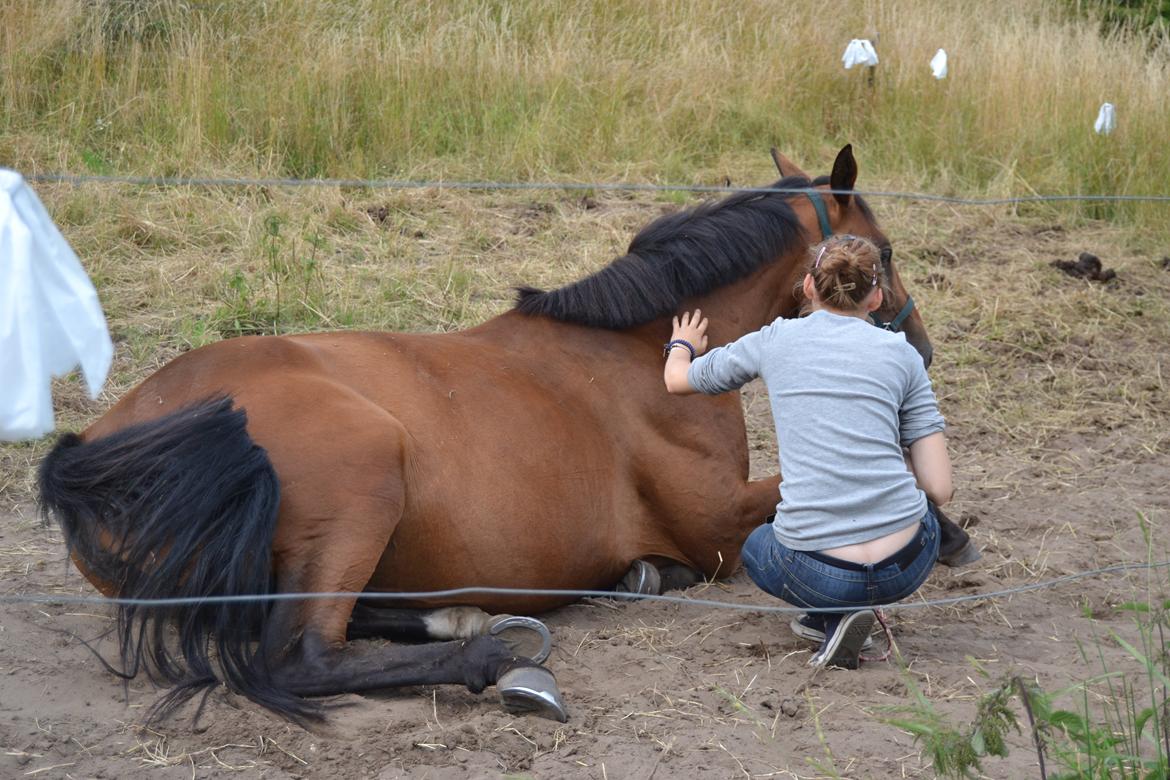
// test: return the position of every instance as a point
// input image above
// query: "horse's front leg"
(712, 544)
(754, 502)
(526, 636)
(758, 500)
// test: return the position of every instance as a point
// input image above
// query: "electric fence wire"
(39, 598)
(405, 184)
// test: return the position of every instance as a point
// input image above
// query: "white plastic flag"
(938, 64)
(1106, 119)
(859, 52)
(50, 318)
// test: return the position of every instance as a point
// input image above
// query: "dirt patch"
(1059, 433)
(653, 689)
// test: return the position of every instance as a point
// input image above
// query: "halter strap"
(818, 201)
(895, 324)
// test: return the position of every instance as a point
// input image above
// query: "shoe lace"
(881, 618)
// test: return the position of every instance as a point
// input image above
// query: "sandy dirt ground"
(653, 690)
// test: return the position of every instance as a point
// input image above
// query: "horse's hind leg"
(368, 620)
(334, 525)
(306, 645)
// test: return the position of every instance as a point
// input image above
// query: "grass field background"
(610, 90)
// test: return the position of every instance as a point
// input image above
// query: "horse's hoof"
(531, 690)
(676, 576)
(643, 579)
(525, 636)
(963, 556)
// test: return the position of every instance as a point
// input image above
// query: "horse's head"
(834, 208)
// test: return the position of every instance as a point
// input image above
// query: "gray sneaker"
(845, 635)
(812, 628)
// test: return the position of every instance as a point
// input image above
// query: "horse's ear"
(785, 166)
(844, 174)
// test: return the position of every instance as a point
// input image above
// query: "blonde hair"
(845, 270)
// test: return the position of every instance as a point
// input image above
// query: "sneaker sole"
(812, 635)
(845, 647)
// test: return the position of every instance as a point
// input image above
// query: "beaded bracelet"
(666, 348)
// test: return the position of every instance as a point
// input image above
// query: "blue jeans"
(807, 581)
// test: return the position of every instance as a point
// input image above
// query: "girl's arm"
(693, 330)
(932, 467)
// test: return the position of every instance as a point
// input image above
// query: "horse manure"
(1166, 263)
(946, 257)
(1086, 266)
(937, 280)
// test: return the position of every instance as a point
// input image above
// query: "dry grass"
(609, 89)
(154, 749)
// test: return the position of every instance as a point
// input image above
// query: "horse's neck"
(739, 308)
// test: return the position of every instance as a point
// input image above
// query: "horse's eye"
(887, 255)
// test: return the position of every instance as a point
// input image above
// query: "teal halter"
(818, 203)
(895, 324)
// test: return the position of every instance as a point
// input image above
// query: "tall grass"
(639, 89)
(1114, 725)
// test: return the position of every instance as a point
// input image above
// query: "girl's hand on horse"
(691, 328)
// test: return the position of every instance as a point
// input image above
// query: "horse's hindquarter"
(496, 456)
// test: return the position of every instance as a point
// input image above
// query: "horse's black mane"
(675, 257)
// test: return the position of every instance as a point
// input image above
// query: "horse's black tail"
(182, 507)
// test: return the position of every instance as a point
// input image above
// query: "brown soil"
(674, 690)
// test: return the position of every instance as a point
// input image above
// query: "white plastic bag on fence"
(1106, 119)
(938, 64)
(50, 318)
(859, 52)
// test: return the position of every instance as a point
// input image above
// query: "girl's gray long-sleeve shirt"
(846, 397)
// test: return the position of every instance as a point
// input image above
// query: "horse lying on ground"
(537, 450)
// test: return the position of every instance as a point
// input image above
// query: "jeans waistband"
(903, 558)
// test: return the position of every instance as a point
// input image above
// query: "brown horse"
(537, 450)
